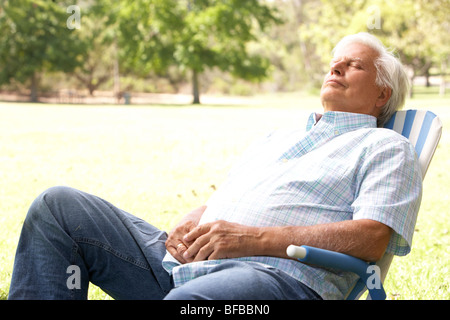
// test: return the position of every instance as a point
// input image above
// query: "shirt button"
(336, 132)
(284, 160)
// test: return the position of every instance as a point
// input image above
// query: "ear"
(384, 97)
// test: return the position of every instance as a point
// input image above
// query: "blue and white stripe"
(422, 128)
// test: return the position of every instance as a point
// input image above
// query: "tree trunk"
(117, 93)
(411, 88)
(443, 74)
(195, 87)
(34, 88)
(427, 78)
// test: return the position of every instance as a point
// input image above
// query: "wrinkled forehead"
(355, 51)
(347, 59)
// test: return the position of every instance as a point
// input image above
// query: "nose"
(337, 68)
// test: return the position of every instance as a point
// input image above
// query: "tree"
(434, 19)
(137, 34)
(217, 34)
(99, 56)
(35, 38)
(192, 35)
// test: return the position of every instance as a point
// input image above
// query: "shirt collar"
(341, 122)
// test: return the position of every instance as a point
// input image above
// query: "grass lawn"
(158, 162)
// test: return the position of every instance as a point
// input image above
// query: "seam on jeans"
(74, 250)
(73, 262)
(103, 245)
(116, 253)
(147, 266)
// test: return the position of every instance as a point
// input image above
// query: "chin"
(331, 102)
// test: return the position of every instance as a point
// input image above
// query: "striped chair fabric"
(422, 128)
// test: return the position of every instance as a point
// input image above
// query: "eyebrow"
(348, 59)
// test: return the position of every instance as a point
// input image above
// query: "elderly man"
(344, 185)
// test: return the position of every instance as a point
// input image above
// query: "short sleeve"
(390, 190)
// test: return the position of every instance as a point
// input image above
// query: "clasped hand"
(209, 241)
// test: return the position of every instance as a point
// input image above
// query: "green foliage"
(194, 35)
(284, 42)
(215, 34)
(143, 32)
(35, 38)
(150, 36)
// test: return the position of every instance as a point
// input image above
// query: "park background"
(147, 103)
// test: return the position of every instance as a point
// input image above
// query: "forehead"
(356, 52)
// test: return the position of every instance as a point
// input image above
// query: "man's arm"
(364, 239)
(175, 243)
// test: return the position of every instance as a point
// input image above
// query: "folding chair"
(423, 129)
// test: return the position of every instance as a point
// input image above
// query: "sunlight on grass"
(159, 162)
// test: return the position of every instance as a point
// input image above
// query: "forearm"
(364, 239)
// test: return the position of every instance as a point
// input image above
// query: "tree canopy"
(193, 35)
(285, 42)
(34, 38)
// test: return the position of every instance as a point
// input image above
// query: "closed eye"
(356, 65)
(350, 62)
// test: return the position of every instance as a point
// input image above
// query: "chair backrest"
(423, 129)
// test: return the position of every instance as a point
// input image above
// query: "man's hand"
(220, 240)
(175, 243)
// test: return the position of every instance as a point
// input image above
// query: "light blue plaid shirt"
(343, 167)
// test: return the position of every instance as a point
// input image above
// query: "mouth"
(335, 82)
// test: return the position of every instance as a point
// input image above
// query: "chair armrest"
(340, 261)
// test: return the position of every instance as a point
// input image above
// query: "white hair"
(390, 72)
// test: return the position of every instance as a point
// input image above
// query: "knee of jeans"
(44, 204)
(58, 192)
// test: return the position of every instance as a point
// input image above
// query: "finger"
(197, 232)
(204, 253)
(191, 254)
(176, 255)
(181, 248)
(176, 249)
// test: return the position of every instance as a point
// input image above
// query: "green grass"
(158, 162)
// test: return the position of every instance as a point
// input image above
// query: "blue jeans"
(70, 238)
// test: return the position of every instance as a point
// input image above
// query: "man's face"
(350, 85)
